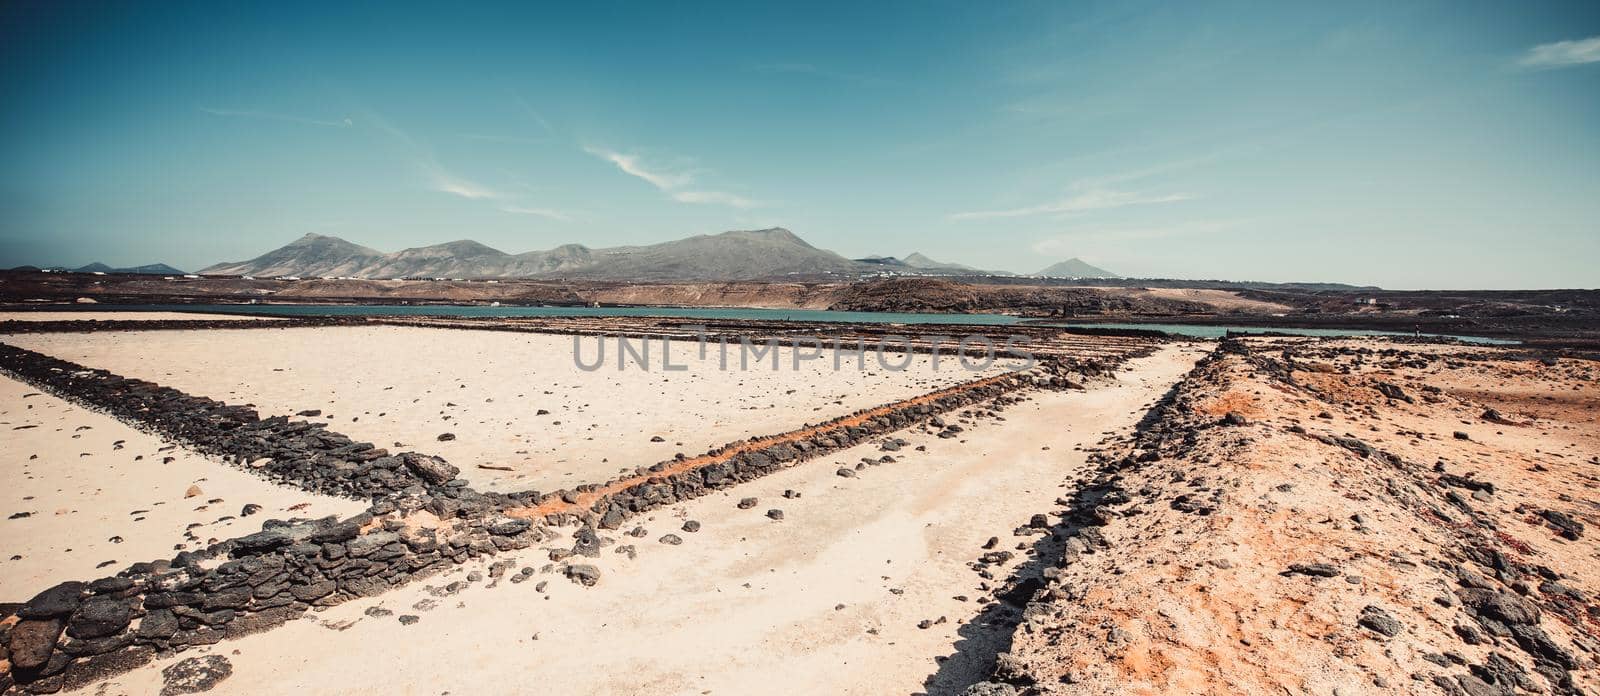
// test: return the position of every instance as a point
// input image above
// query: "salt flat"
(826, 600)
(517, 402)
(81, 488)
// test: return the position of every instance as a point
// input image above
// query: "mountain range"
(736, 255)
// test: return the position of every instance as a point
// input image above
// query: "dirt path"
(826, 600)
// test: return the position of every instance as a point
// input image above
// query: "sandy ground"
(123, 316)
(1197, 592)
(827, 600)
(1220, 300)
(511, 400)
(97, 492)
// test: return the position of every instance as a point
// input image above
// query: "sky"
(1408, 145)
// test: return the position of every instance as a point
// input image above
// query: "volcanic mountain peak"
(1075, 268)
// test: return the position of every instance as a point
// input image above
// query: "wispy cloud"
(631, 165)
(1082, 201)
(270, 116)
(443, 180)
(1562, 54)
(541, 212)
(532, 113)
(674, 183)
(716, 197)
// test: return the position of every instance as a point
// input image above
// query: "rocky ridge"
(1252, 539)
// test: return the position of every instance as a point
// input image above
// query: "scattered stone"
(1320, 570)
(583, 574)
(991, 689)
(691, 526)
(747, 503)
(1379, 620)
(1569, 528)
(446, 437)
(408, 619)
(433, 470)
(775, 514)
(672, 540)
(1393, 392)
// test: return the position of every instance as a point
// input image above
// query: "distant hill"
(916, 263)
(917, 260)
(149, 269)
(1075, 268)
(887, 261)
(737, 255)
(313, 254)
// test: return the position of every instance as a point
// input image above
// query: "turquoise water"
(818, 315)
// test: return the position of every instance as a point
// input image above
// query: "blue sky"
(1448, 145)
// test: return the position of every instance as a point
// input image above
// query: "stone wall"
(423, 520)
(298, 453)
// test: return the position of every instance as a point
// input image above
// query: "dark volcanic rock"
(313, 591)
(1379, 620)
(159, 624)
(1393, 392)
(1569, 528)
(509, 527)
(1504, 607)
(33, 641)
(989, 688)
(583, 574)
(100, 617)
(61, 600)
(434, 470)
(1320, 570)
